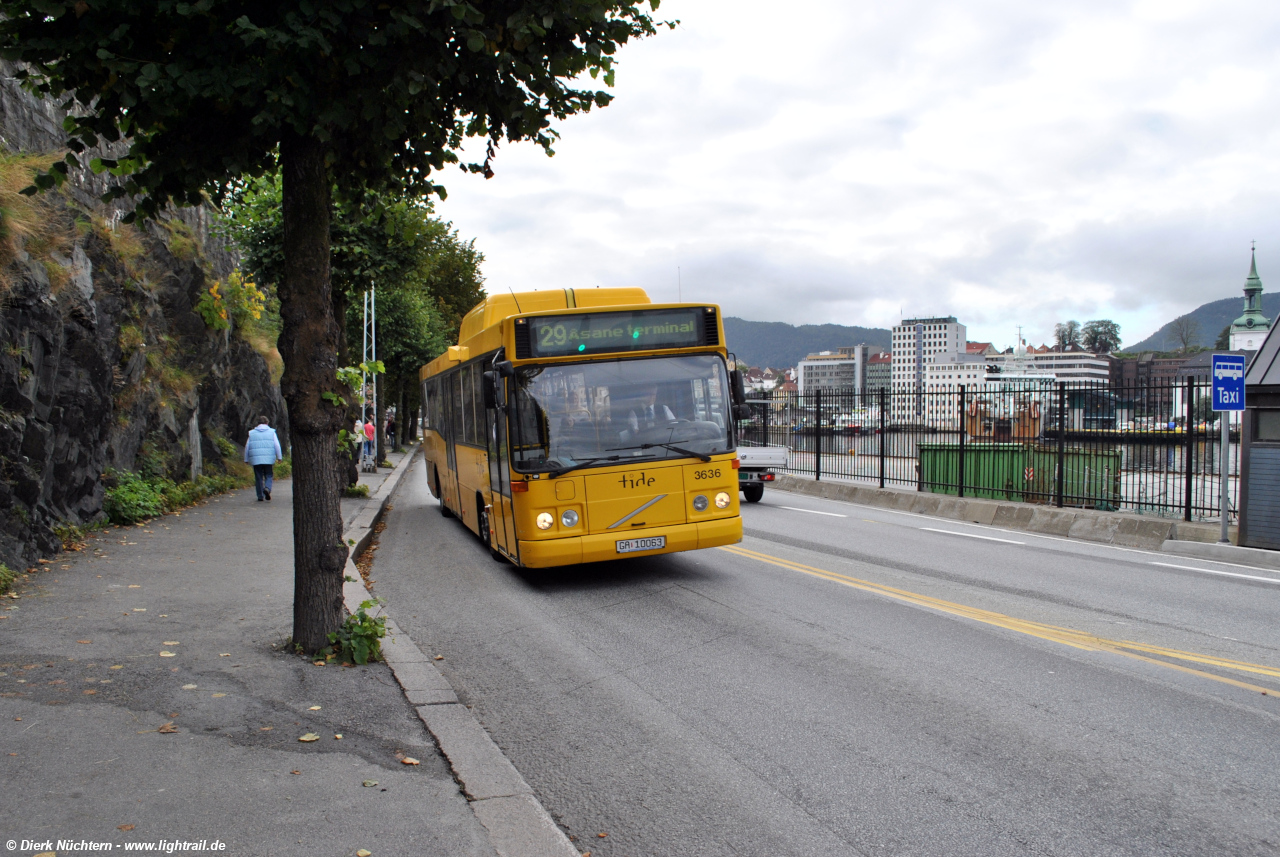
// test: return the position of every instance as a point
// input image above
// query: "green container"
(1024, 472)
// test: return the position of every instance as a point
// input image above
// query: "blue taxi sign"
(1228, 382)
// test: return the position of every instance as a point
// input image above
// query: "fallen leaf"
(439, 657)
(189, 687)
(309, 737)
(218, 695)
(116, 667)
(167, 655)
(134, 586)
(368, 784)
(314, 708)
(88, 692)
(338, 737)
(295, 772)
(317, 663)
(167, 729)
(409, 760)
(602, 835)
(173, 643)
(17, 718)
(125, 827)
(139, 610)
(84, 641)
(266, 728)
(364, 852)
(225, 655)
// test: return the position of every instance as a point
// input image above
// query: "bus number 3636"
(706, 474)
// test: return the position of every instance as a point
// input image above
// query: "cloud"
(1008, 163)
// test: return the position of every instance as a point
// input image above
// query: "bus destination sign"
(602, 332)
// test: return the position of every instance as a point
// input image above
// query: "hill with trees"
(778, 344)
(1201, 326)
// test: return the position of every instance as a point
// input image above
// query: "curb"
(1255, 557)
(1112, 528)
(517, 823)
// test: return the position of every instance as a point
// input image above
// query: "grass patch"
(30, 223)
(125, 241)
(357, 490)
(7, 577)
(133, 498)
(284, 467)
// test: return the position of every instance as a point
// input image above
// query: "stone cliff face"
(104, 360)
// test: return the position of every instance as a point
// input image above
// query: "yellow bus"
(571, 426)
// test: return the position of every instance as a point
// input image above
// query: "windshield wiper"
(560, 471)
(702, 456)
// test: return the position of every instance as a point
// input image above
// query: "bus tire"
(753, 492)
(485, 523)
(444, 509)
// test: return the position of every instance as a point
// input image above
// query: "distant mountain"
(1210, 317)
(778, 344)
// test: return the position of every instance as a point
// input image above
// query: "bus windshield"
(572, 415)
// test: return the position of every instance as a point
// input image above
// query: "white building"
(918, 342)
(842, 369)
(1074, 365)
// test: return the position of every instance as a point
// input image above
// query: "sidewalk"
(182, 621)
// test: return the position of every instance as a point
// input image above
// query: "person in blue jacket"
(262, 450)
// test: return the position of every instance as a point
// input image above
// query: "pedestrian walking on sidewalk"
(262, 450)
(368, 438)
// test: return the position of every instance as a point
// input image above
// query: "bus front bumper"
(604, 546)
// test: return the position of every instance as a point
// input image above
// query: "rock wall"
(104, 361)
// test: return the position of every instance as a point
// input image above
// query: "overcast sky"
(854, 162)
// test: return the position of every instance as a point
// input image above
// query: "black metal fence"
(1153, 449)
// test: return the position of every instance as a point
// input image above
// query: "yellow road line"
(1052, 633)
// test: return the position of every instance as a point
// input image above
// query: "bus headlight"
(722, 500)
(700, 503)
(569, 518)
(545, 520)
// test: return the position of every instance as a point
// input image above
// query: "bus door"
(451, 388)
(502, 513)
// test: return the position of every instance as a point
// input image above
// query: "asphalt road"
(851, 680)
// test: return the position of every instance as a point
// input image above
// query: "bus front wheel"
(485, 523)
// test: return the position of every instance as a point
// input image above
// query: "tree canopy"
(1101, 336)
(207, 90)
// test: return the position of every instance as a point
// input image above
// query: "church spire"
(1248, 331)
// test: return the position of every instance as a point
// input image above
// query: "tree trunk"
(309, 346)
(401, 427)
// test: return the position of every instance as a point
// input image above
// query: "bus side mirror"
(741, 410)
(493, 389)
(506, 369)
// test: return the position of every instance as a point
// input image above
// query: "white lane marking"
(1223, 573)
(812, 511)
(973, 536)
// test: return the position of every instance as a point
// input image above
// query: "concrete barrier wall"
(1113, 528)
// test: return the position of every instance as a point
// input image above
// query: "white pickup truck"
(755, 468)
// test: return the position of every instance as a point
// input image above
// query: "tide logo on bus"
(636, 480)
